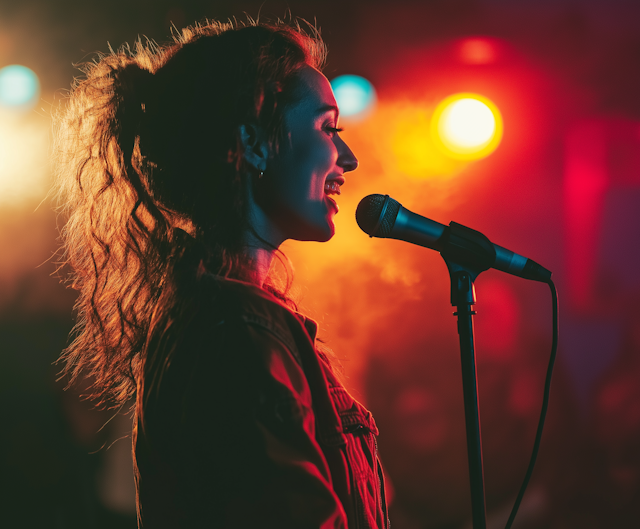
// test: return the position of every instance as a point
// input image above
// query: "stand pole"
(463, 298)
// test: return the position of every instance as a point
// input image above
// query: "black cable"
(545, 405)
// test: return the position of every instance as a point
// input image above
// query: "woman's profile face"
(303, 180)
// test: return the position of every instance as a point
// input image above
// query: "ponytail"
(149, 180)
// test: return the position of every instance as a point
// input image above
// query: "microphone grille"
(368, 215)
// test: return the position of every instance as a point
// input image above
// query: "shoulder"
(236, 303)
(232, 297)
(238, 342)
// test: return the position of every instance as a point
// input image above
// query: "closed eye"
(333, 130)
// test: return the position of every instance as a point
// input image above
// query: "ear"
(255, 146)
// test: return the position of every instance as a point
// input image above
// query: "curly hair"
(152, 181)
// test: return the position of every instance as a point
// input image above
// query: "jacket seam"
(263, 323)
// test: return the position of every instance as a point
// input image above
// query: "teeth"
(332, 188)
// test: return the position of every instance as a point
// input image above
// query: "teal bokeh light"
(354, 94)
(19, 87)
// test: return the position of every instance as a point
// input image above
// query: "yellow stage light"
(467, 126)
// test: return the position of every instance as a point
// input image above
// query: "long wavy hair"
(152, 183)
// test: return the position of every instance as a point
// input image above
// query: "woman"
(182, 170)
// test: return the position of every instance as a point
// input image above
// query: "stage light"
(24, 159)
(477, 51)
(467, 126)
(19, 87)
(355, 96)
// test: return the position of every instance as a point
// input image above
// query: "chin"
(318, 233)
(329, 230)
(327, 237)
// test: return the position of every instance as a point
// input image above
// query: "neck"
(260, 253)
(261, 259)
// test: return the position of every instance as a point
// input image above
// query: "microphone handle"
(520, 266)
(508, 261)
(418, 230)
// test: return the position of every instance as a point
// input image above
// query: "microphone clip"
(467, 248)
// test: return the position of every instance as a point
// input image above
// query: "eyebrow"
(327, 108)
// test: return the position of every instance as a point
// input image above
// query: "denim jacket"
(249, 427)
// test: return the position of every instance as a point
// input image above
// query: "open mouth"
(332, 188)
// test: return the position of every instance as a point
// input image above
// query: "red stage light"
(477, 51)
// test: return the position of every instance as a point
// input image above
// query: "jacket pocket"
(360, 432)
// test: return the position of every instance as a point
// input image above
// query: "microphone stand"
(463, 297)
(467, 253)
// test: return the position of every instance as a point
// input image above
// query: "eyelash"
(334, 130)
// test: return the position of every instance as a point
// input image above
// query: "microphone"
(382, 216)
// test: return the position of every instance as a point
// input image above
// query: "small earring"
(261, 174)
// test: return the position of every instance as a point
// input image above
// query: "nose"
(346, 159)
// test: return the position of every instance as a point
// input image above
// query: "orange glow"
(467, 126)
(24, 155)
(414, 153)
(352, 283)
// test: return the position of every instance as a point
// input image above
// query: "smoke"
(359, 286)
